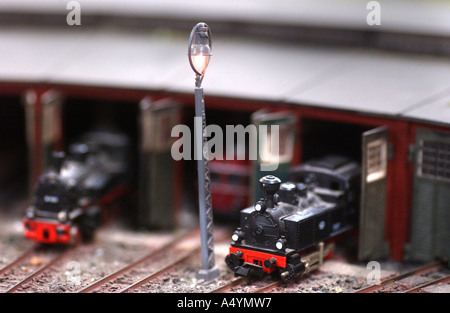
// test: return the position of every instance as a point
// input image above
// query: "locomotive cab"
(337, 179)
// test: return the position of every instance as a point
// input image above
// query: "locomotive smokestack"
(270, 185)
(58, 159)
(288, 193)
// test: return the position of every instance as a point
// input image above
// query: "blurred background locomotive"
(71, 197)
(288, 231)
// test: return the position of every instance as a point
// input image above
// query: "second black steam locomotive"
(288, 231)
(70, 196)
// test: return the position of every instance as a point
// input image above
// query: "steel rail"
(171, 265)
(268, 287)
(415, 272)
(132, 265)
(162, 271)
(442, 280)
(228, 285)
(16, 261)
(40, 270)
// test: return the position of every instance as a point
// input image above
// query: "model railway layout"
(324, 163)
(170, 264)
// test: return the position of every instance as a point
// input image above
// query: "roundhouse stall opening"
(14, 157)
(130, 128)
(348, 158)
(147, 123)
(332, 145)
(86, 167)
(324, 137)
(82, 116)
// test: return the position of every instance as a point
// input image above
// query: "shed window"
(376, 160)
(434, 160)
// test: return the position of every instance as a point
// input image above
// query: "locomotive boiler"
(70, 197)
(288, 232)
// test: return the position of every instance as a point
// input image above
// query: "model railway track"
(157, 257)
(271, 286)
(227, 287)
(442, 280)
(133, 265)
(27, 252)
(195, 251)
(18, 260)
(241, 282)
(268, 288)
(416, 272)
(47, 266)
(162, 271)
(22, 274)
(255, 287)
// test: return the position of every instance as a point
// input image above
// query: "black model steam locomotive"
(288, 231)
(70, 196)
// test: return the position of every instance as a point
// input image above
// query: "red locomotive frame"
(48, 231)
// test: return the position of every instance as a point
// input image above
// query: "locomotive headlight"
(281, 243)
(62, 216)
(238, 235)
(30, 213)
(260, 206)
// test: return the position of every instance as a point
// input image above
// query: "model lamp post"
(199, 53)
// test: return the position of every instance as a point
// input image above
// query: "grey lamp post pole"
(199, 52)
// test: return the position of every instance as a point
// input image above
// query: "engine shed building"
(381, 103)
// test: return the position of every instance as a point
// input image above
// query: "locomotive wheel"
(87, 233)
(87, 228)
(76, 236)
(89, 222)
(294, 267)
(229, 263)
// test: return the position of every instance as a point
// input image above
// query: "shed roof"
(420, 16)
(343, 78)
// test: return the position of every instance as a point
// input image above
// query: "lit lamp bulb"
(200, 55)
(200, 48)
